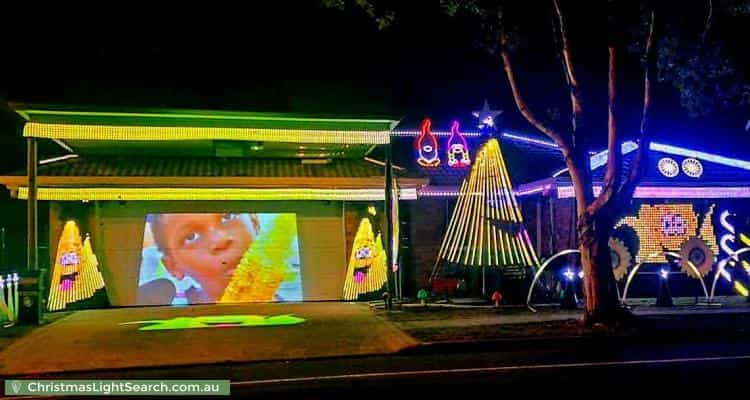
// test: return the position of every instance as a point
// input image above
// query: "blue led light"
(681, 151)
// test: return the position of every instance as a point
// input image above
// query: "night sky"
(296, 56)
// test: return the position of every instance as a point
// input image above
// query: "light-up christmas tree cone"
(367, 270)
(265, 264)
(91, 278)
(486, 227)
(63, 288)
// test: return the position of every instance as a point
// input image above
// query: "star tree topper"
(486, 116)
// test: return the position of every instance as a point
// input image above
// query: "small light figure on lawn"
(569, 301)
(422, 295)
(9, 298)
(664, 298)
(569, 275)
(497, 297)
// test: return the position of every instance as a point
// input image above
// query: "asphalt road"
(517, 370)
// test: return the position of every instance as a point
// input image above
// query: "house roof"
(95, 130)
(207, 167)
(166, 117)
(716, 169)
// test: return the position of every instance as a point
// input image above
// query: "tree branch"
(570, 74)
(638, 167)
(553, 134)
(709, 23)
(614, 156)
(569, 155)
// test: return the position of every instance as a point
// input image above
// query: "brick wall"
(428, 225)
(557, 223)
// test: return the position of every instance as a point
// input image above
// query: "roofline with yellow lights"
(171, 133)
(91, 123)
(210, 194)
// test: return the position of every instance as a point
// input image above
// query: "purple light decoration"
(70, 258)
(413, 133)
(457, 148)
(657, 192)
(673, 225)
(359, 277)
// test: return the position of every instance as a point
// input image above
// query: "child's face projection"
(206, 247)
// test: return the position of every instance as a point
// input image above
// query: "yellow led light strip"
(486, 227)
(131, 194)
(171, 133)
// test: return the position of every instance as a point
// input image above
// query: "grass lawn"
(496, 332)
(443, 324)
(437, 323)
(433, 312)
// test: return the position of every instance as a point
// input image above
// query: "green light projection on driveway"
(217, 321)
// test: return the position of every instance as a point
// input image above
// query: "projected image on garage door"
(219, 258)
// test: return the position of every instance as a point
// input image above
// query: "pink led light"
(656, 192)
(410, 133)
(673, 225)
(66, 285)
(457, 148)
(427, 146)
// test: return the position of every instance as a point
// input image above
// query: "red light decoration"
(427, 146)
(458, 149)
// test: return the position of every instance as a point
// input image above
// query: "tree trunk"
(602, 304)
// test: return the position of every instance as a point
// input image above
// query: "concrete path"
(97, 339)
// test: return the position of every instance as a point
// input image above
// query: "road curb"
(518, 344)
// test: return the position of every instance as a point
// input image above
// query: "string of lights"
(486, 227)
(172, 133)
(146, 194)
